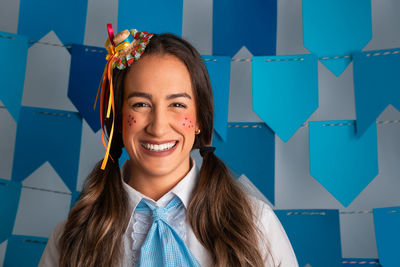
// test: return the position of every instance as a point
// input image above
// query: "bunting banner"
(250, 150)
(48, 135)
(333, 29)
(9, 197)
(314, 235)
(219, 69)
(351, 262)
(285, 91)
(239, 23)
(375, 78)
(387, 221)
(156, 16)
(67, 18)
(24, 250)
(13, 55)
(340, 161)
(87, 66)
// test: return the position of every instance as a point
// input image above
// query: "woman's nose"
(158, 123)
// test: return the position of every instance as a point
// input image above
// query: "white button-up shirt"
(274, 244)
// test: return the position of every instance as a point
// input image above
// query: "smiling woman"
(161, 210)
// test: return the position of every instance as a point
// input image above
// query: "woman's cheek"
(131, 121)
(187, 123)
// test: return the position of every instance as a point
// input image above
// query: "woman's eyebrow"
(139, 94)
(178, 95)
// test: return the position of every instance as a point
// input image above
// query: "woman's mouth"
(158, 147)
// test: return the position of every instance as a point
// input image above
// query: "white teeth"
(162, 147)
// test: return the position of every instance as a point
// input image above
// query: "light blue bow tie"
(163, 246)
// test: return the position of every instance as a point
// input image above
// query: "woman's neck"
(154, 186)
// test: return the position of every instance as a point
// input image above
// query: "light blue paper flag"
(238, 23)
(67, 18)
(156, 16)
(336, 28)
(250, 150)
(24, 251)
(314, 235)
(13, 54)
(376, 84)
(340, 161)
(387, 222)
(285, 91)
(9, 199)
(48, 135)
(87, 66)
(351, 262)
(219, 69)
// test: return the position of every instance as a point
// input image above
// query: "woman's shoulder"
(51, 253)
(273, 235)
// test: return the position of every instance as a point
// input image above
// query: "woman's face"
(159, 116)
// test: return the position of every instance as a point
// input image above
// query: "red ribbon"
(110, 33)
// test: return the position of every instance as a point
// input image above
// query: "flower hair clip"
(123, 49)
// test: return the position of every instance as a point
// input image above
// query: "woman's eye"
(178, 105)
(140, 105)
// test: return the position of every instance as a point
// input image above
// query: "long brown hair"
(219, 212)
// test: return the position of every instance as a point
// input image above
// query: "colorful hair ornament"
(123, 49)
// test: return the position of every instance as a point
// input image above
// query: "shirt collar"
(183, 189)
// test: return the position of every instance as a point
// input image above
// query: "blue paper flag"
(87, 66)
(387, 222)
(340, 161)
(13, 55)
(285, 91)
(156, 16)
(24, 250)
(238, 23)
(9, 199)
(48, 135)
(336, 28)
(124, 157)
(351, 262)
(67, 18)
(376, 84)
(219, 69)
(250, 150)
(314, 235)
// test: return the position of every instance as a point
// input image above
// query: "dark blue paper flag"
(343, 163)
(87, 66)
(314, 235)
(285, 91)
(48, 135)
(219, 69)
(336, 28)
(352, 262)
(24, 251)
(13, 54)
(238, 23)
(250, 150)
(157, 16)
(74, 197)
(9, 199)
(387, 222)
(376, 84)
(67, 18)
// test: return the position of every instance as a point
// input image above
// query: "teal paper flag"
(340, 161)
(336, 28)
(285, 91)
(13, 55)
